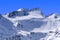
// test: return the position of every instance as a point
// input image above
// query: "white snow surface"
(33, 26)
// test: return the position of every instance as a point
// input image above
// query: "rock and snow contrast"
(29, 24)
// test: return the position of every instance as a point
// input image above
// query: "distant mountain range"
(29, 24)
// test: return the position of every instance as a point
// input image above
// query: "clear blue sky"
(47, 6)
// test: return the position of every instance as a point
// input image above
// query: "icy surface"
(29, 24)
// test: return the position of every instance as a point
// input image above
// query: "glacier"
(29, 24)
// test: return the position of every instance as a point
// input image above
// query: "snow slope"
(29, 24)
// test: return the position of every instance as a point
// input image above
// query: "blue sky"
(47, 6)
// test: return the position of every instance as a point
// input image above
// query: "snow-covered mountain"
(29, 24)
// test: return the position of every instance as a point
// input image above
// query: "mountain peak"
(26, 24)
(25, 12)
(36, 12)
(54, 15)
(34, 9)
(20, 9)
(23, 9)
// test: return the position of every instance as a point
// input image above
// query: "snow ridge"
(29, 24)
